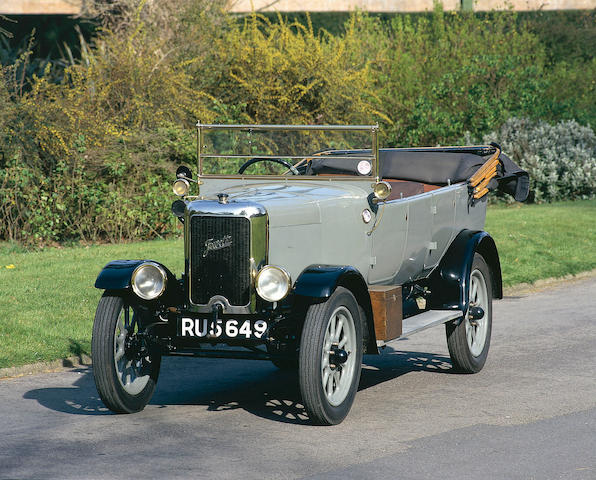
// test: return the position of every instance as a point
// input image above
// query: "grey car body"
(406, 245)
(312, 268)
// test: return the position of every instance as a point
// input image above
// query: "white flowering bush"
(560, 158)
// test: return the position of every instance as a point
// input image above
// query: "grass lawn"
(47, 301)
(543, 241)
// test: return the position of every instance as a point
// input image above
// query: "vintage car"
(327, 250)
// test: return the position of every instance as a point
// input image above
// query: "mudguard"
(320, 281)
(117, 274)
(450, 280)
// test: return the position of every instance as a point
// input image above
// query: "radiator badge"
(211, 244)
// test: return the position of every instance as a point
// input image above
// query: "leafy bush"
(567, 35)
(88, 147)
(571, 92)
(285, 73)
(123, 197)
(560, 158)
(91, 157)
(441, 75)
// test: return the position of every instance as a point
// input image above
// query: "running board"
(428, 319)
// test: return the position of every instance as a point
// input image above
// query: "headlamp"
(149, 280)
(181, 187)
(273, 283)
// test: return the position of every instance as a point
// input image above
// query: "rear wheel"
(124, 370)
(469, 341)
(330, 357)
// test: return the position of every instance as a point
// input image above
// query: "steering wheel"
(248, 163)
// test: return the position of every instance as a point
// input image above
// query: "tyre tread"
(461, 357)
(110, 391)
(312, 336)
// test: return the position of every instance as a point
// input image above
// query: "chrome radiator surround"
(258, 219)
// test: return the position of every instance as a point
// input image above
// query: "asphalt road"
(530, 414)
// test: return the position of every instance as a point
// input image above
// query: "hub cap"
(128, 370)
(340, 336)
(476, 330)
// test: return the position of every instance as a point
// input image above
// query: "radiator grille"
(220, 259)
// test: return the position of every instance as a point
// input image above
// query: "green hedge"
(90, 156)
(567, 35)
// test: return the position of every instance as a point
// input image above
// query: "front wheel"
(330, 357)
(124, 370)
(469, 341)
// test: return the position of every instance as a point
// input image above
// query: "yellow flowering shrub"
(286, 73)
(87, 158)
(91, 156)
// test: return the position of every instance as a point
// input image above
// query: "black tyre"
(469, 341)
(124, 381)
(330, 357)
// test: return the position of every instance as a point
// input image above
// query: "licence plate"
(223, 328)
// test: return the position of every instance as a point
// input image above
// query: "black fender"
(318, 282)
(450, 280)
(117, 274)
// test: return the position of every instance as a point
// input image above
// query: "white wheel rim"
(127, 371)
(476, 334)
(341, 332)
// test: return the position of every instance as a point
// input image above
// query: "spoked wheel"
(469, 341)
(124, 370)
(330, 358)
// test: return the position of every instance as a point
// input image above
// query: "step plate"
(428, 319)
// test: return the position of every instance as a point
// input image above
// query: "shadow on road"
(81, 398)
(395, 363)
(254, 386)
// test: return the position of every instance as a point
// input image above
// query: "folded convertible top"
(436, 166)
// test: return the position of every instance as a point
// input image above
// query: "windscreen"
(275, 150)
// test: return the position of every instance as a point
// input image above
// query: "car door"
(389, 233)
